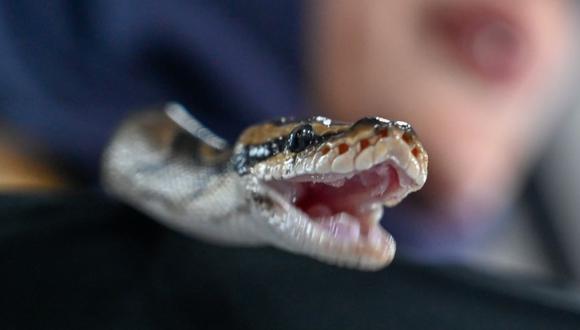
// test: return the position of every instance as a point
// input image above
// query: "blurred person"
(474, 77)
(471, 76)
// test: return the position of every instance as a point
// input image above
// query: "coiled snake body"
(313, 187)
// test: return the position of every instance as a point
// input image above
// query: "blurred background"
(490, 86)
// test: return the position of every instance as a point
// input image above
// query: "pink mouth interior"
(334, 201)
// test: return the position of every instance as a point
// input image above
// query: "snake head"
(321, 185)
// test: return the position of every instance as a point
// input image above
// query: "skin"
(481, 122)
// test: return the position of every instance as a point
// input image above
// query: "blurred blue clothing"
(71, 70)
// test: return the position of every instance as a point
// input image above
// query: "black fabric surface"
(82, 261)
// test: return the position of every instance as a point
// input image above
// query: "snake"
(315, 187)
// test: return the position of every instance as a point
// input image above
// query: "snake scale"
(314, 187)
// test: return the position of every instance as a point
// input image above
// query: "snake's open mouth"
(348, 206)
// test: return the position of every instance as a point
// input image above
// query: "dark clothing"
(84, 262)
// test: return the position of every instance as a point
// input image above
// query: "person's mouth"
(490, 42)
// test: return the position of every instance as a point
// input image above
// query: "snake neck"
(157, 165)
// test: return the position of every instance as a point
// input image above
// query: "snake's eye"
(300, 138)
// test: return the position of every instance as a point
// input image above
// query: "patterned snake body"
(313, 187)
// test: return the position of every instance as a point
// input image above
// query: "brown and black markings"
(286, 137)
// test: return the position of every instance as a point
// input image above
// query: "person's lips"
(488, 41)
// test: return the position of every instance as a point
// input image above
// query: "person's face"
(467, 74)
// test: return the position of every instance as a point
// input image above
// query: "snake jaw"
(331, 196)
(338, 220)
